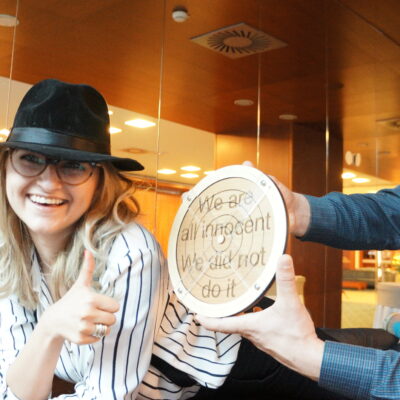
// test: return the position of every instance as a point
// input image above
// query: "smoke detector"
(180, 14)
(239, 40)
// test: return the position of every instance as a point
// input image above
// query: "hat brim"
(123, 164)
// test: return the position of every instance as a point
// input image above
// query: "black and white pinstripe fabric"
(150, 320)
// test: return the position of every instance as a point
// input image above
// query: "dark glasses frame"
(52, 161)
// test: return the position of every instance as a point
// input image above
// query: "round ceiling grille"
(241, 42)
(238, 40)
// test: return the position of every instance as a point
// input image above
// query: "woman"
(64, 196)
(84, 289)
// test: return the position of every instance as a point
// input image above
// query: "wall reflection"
(325, 76)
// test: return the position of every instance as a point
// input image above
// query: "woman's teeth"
(45, 200)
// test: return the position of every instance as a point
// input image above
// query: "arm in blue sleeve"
(357, 221)
(360, 372)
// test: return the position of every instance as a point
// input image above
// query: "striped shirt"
(150, 321)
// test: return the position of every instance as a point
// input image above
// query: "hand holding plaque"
(225, 241)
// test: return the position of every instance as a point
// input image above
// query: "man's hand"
(297, 206)
(298, 209)
(284, 330)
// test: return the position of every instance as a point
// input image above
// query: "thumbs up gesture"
(81, 312)
(284, 330)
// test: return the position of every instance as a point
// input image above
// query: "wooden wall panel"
(321, 265)
(157, 214)
(274, 149)
(231, 149)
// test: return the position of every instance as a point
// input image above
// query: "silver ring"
(99, 330)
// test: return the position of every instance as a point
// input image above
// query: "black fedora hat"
(65, 121)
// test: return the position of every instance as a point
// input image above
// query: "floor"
(358, 307)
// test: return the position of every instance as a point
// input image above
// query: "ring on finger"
(99, 330)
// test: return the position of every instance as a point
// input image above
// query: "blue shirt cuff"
(348, 369)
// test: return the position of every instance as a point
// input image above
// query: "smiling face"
(48, 207)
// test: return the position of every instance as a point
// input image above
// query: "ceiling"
(341, 65)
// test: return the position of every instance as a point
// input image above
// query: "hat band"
(50, 138)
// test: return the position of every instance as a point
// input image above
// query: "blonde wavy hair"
(112, 207)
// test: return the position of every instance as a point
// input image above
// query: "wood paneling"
(321, 265)
(342, 62)
(158, 210)
(123, 46)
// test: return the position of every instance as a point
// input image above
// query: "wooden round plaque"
(225, 241)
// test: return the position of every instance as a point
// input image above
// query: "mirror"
(224, 86)
(280, 84)
(8, 26)
(363, 53)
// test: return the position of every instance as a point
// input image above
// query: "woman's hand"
(75, 315)
(284, 330)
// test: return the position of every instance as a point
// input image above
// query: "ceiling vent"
(239, 40)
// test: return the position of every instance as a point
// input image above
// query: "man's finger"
(238, 324)
(285, 279)
(85, 277)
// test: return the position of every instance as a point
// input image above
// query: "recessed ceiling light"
(189, 175)
(208, 172)
(361, 180)
(4, 132)
(136, 150)
(190, 168)
(166, 171)
(392, 123)
(348, 175)
(140, 123)
(243, 102)
(288, 117)
(113, 130)
(8, 20)
(110, 112)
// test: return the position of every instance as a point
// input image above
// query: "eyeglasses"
(30, 164)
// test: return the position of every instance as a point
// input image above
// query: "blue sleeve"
(357, 221)
(360, 372)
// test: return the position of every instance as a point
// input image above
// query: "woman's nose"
(49, 176)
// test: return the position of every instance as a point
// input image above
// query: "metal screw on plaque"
(180, 290)
(263, 183)
(257, 286)
(188, 198)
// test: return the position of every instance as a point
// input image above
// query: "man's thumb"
(285, 279)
